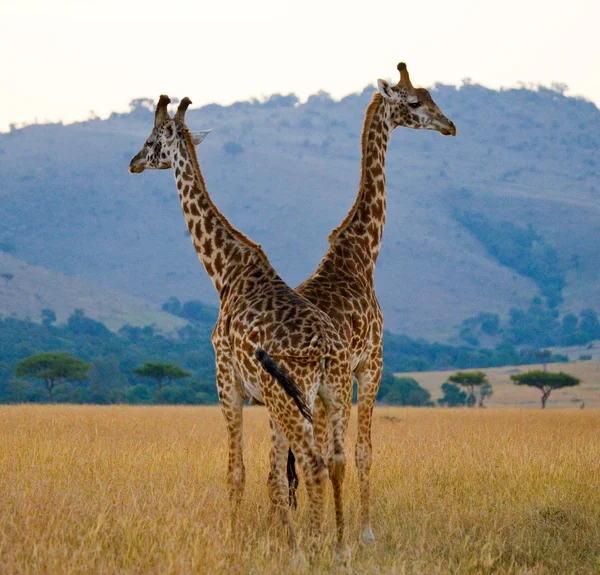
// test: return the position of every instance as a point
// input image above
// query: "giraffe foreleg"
(336, 396)
(232, 403)
(368, 375)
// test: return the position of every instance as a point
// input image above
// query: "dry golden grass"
(507, 394)
(142, 490)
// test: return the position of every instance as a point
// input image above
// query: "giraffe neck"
(359, 235)
(223, 250)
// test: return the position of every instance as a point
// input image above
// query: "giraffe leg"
(298, 432)
(315, 475)
(368, 376)
(337, 401)
(320, 426)
(232, 403)
(320, 435)
(277, 484)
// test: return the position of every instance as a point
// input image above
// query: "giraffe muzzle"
(135, 167)
(449, 129)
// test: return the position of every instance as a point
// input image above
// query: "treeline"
(402, 354)
(541, 325)
(115, 357)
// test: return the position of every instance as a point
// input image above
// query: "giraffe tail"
(285, 380)
(292, 389)
(292, 477)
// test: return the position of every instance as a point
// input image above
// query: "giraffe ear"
(385, 89)
(198, 137)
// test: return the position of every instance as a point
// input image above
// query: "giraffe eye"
(415, 105)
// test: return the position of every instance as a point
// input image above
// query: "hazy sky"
(61, 59)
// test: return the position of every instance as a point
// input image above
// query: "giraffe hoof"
(367, 537)
(342, 560)
(299, 564)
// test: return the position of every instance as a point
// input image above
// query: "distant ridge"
(531, 158)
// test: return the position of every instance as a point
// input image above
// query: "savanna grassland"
(142, 490)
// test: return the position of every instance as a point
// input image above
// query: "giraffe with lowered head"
(271, 344)
(342, 285)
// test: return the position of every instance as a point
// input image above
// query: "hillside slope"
(530, 158)
(26, 290)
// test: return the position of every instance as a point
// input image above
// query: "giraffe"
(342, 285)
(271, 345)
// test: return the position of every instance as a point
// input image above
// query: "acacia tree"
(54, 368)
(453, 396)
(545, 382)
(469, 380)
(161, 372)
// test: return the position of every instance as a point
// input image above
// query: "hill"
(26, 290)
(523, 168)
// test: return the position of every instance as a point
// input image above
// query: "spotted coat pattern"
(257, 309)
(342, 285)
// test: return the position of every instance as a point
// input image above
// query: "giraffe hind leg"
(276, 482)
(297, 429)
(320, 435)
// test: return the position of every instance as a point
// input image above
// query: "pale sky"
(61, 59)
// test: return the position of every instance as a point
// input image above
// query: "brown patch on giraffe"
(377, 209)
(219, 263)
(219, 240)
(207, 247)
(209, 224)
(377, 170)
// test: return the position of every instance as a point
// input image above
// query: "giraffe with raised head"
(342, 285)
(271, 344)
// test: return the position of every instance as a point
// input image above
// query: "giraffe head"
(165, 138)
(412, 107)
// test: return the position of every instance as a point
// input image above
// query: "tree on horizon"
(545, 382)
(161, 372)
(53, 368)
(469, 380)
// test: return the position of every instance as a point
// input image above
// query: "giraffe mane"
(234, 232)
(377, 97)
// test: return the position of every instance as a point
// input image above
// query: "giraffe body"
(343, 284)
(271, 344)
